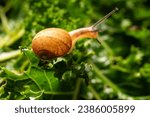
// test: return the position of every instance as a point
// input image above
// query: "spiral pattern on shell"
(51, 42)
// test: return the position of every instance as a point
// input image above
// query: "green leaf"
(44, 79)
(34, 60)
(145, 70)
(12, 75)
(28, 92)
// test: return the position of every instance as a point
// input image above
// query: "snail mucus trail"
(55, 42)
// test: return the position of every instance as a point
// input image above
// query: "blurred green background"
(119, 68)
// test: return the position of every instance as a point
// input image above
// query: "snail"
(55, 42)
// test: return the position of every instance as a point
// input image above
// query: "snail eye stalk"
(96, 25)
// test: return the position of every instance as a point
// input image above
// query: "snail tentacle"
(95, 26)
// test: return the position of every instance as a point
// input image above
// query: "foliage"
(118, 69)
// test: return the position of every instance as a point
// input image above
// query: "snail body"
(55, 42)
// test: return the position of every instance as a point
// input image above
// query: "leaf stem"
(95, 94)
(58, 93)
(110, 83)
(17, 34)
(106, 46)
(105, 79)
(77, 89)
(142, 97)
(9, 55)
(4, 20)
(119, 68)
(24, 65)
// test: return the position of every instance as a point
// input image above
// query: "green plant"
(118, 69)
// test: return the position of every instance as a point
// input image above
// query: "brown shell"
(52, 42)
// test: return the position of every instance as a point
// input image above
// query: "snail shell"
(51, 42)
